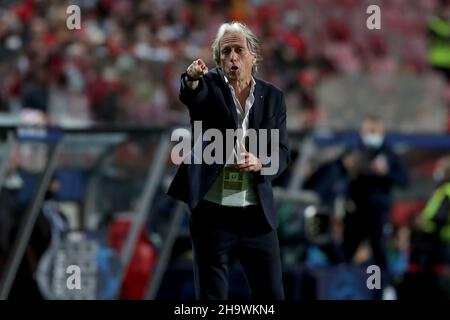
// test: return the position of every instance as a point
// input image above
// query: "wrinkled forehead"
(372, 126)
(233, 38)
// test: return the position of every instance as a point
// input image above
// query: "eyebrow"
(232, 45)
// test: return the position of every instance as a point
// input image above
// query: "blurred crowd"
(123, 65)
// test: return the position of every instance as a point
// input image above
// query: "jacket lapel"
(256, 111)
(228, 98)
(229, 102)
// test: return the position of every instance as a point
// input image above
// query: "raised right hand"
(197, 69)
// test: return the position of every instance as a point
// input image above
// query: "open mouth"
(234, 68)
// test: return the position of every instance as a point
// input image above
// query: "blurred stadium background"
(86, 117)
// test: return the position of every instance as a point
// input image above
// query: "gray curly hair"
(253, 43)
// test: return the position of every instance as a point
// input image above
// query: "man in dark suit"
(374, 170)
(233, 212)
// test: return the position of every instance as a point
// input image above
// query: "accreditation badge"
(235, 187)
(233, 179)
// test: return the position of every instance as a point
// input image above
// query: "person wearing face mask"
(374, 170)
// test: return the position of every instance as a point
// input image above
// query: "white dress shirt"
(246, 195)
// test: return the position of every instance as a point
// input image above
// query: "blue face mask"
(373, 140)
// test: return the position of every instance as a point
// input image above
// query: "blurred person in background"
(12, 213)
(233, 212)
(438, 32)
(429, 262)
(439, 39)
(374, 169)
(435, 218)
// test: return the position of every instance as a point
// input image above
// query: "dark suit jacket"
(371, 192)
(213, 104)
